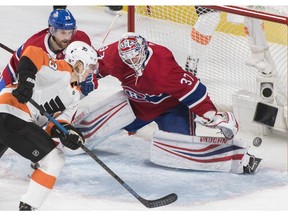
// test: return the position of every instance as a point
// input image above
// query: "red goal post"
(251, 13)
(225, 58)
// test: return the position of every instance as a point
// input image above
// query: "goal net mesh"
(222, 62)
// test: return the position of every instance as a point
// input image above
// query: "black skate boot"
(25, 207)
(253, 165)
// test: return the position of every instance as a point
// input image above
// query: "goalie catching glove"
(73, 140)
(225, 121)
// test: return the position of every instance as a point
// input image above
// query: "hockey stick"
(6, 48)
(109, 29)
(148, 203)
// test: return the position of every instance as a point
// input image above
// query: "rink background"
(84, 185)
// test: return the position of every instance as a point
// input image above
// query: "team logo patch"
(36, 153)
(142, 97)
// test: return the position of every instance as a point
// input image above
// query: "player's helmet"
(79, 50)
(133, 50)
(62, 19)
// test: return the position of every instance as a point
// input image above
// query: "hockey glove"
(89, 84)
(225, 121)
(24, 90)
(73, 140)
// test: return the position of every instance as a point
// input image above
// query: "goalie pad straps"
(103, 118)
(198, 152)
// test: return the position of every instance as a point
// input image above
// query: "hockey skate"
(25, 207)
(253, 165)
(191, 65)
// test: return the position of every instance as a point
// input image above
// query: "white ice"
(84, 185)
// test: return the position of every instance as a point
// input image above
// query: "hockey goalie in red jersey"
(159, 90)
(54, 40)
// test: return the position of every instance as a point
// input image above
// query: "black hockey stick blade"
(166, 200)
(159, 202)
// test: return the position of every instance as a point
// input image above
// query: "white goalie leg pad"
(104, 118)
(198, 152)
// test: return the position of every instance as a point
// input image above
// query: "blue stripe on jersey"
(2, 83)
(18, 53)
(195, 96)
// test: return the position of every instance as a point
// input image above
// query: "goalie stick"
(166, 200)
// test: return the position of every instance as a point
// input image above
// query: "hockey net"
(222, 63)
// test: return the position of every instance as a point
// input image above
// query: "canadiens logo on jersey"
(142, 97)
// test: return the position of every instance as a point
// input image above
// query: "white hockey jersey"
(53, 91)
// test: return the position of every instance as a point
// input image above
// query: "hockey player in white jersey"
(54, 85)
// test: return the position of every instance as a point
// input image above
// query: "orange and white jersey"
(53, 90)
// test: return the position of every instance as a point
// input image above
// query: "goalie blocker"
(202, 153)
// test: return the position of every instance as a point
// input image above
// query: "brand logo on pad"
(218, 140)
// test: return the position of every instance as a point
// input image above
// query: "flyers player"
(54, 40)
(54, 84)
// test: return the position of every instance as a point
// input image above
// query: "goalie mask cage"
(222, 65)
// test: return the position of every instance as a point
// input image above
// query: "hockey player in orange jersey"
(54, 85)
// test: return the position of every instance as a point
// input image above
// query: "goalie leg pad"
(104, 118)
(198, 152)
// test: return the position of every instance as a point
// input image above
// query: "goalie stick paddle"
(166, 200)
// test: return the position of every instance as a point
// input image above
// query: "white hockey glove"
(225, 121)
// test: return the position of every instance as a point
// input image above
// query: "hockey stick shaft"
(6, 48)
(148, 203)
(109, 30)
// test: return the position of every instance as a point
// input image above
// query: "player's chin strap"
(148, 203)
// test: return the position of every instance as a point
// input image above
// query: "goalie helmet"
(62, 19)
(133, 50)
(79, 50)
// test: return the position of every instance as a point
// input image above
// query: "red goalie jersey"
(162, 85)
